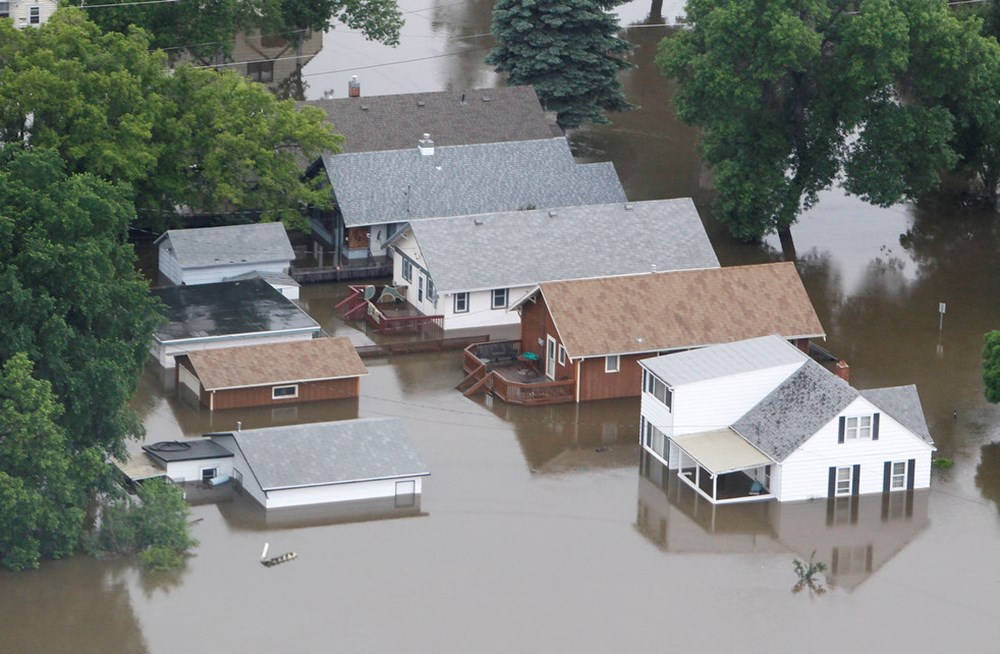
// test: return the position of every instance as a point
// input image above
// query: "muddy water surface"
(544, 530)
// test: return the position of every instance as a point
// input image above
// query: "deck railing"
(480, 378)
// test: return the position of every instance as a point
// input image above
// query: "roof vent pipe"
(426, 145)
(239, 425)
(354, 87)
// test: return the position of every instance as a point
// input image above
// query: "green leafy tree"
(43, 484)
(568, 50)
(991, 365)
(794, 94)
(70, 295)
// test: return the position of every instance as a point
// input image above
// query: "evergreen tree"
(568, 50)
(991, 365)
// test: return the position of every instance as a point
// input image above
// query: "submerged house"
(325, 462)
(190, 460)
(213, 254)
(226, 314)
(758, 419)
(376, 193)
(582, 340)
(273, 374)
(470, 269)
(28, 13)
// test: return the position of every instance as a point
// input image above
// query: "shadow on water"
(988, 473)
(853, 537)
(244, 514)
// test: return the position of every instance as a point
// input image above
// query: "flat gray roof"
(724, 360)
(403, 185)
(521, 248)
(227, 308)
(233, 244)
(327, 453)
(186, 450)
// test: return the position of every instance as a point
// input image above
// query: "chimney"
(426, 145)
(354, 87)
(843, 371)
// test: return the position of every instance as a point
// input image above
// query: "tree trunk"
(787, 244)
(655, 12)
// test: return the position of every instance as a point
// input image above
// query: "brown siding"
(308, 392)
(357, 238)
(536, 323)
(595, 384)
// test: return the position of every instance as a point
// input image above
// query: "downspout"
(578, 380)
(211, 401)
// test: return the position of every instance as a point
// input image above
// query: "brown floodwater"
(544, 530)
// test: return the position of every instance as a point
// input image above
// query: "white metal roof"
(721, 451)
(724, 360)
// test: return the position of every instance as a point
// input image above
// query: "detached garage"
(273, 374)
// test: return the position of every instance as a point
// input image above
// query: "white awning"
(721, 451)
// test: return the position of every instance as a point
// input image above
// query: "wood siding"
(595, 384)
(536, 326)
(333, 389)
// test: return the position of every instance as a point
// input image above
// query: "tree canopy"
(568, 50)
(203, 139)
(793, 95)
(991, 365)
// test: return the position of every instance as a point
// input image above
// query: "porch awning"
(721, 451)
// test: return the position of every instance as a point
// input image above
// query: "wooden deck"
(510, 379)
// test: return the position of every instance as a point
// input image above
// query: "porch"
(722, 467)
(498, 367)
(386, 310)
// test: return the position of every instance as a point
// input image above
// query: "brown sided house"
(588, 335)
(272, 374)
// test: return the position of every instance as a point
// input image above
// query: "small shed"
(191, 460)
(211, 254)
(273, 374)
(226, 314)
(317, 463)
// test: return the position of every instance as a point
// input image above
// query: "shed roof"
(395, 122)
(723, 360)
(277, 363)
(233, 244)
(404, 185)
(522, 248)
(903, 404)
(228, 309)
(721, 450)
(795, 410)
(326, 453)
(186, 450)
(679, 310)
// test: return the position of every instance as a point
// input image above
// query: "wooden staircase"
(474, 381)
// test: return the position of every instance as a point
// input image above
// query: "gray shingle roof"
(903, 404)
(403, 185)
(395, 122)
(723, 360)
(329, 452)
(232, 244)
(795, 410)
(521, 248)
(227, 308)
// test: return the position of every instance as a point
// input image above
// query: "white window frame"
(660, 390)
(897, 476)
(35, 15)
(612, 363)
(858, 428)
(202, 471)
(498, 293)
(430, 290)
(840, 489)
(562, 355)
(276, 396)
(464, 297)
(407, 269)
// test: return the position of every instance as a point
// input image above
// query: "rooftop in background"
(274, 363)
(328, 452)
(403, 185)
(228, 308)
(187, 450)
(395, 122)
(232, 244)
(723, 360)
(521, 248)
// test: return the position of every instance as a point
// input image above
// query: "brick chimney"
(843, 371)
(354, 87)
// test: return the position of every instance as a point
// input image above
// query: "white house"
(28, 13)
(471, 269)
(191, 460)
(213, 254)
(317, 463)
(758, 419)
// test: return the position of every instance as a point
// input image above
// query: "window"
(499, 298)
(562, 356)
(261, 71)
(4, 9)
(407, 269)
(844, 479)
(461, 302)
(284, 392)
(420, 288)
(656, 441)
(898, 480)
(611, 363)
(857, 428)
(430, 290)
(209, 473)
(659, 390)
(34, 15)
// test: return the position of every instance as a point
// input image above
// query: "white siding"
(168, 265)
(189, 379)
(165, 354)
(805, 473)
(191, 470)
(20, 11)
(213, 274)
(336, 493)
(241, 470)
(378, 235)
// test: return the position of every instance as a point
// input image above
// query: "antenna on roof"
(463, 98)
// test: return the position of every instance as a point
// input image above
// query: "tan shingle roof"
(277, 363)
(682, 309)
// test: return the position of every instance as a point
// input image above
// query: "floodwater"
(544, 530)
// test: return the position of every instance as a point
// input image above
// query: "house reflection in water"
(988, 473)
(242, 513)
(853, 536)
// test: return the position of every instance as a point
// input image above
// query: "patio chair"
(369, 292)
(391, 293)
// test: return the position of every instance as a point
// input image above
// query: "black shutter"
(832, 488)
(886, 476)
(856, 482)
(840, 429)
(911, 468)
(875, 427)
